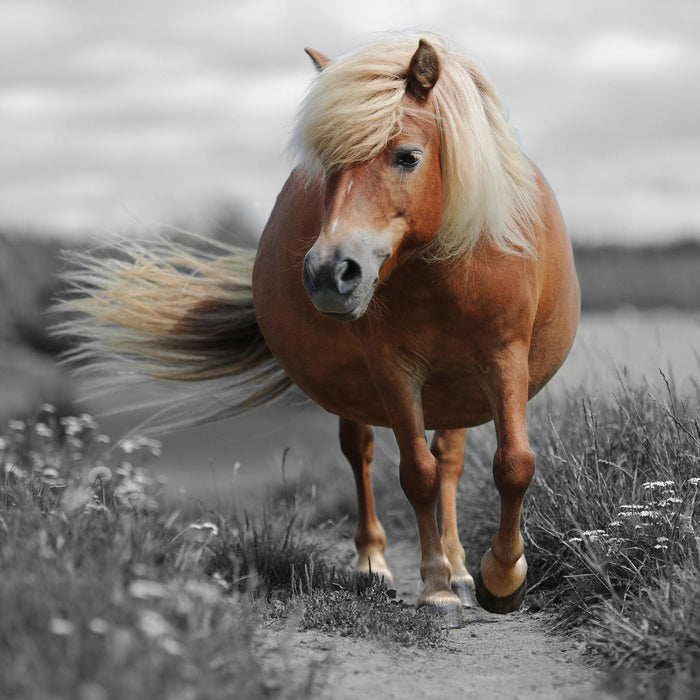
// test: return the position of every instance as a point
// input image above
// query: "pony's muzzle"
(335, 285)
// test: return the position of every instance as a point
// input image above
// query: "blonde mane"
(357, 106)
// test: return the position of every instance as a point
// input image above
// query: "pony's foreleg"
(357, 444)
(420, 480)
(501, 582)
(448, 448)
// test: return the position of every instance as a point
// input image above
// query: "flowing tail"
(173, 312)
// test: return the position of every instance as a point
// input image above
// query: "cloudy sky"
(117, 116)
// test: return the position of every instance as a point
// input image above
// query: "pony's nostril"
(348, 274)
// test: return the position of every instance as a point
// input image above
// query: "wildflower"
(128, 492)
(16, 425)
(153, 624)
(103, 439)
(76, 497)
(51, 477)
(18, 472)
(125, 470)
(88, 421)
(171, 646)
(658, 485)
(47, 408)
(154, 446)
(220, 581)
(71, 425)
(208, 528)
(98, 626)
(694, 481)
(99, 475)
(128, 446)
(593, 535)
(43, 430)
(75, 443)
(142, 478)
(669, 502)
(143, 589)
(206, 592)
(60, 627)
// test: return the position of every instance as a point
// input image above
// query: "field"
(117, 584)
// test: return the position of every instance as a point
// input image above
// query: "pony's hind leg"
(448, 448)
(357, 444)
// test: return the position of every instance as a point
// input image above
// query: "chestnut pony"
(415, 273)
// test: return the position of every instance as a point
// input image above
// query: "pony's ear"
(320, 61)
(423, 71)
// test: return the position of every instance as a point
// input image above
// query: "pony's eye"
(406, 160)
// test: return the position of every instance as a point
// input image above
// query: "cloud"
(634, 55)
(164, 106)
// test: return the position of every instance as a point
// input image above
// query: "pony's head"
(415, 154)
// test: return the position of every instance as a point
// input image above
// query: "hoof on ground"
(465, 592)
(449, 613)
(494, 604)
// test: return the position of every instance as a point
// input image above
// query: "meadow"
(116, 584)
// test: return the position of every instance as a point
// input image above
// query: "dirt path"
(500, 657)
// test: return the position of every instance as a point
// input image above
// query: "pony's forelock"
(357, 105)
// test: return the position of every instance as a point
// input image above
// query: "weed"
(360, 606)
(611, 525)
(103, 590)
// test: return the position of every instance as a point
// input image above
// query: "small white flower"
(71, 425)
(128, 446)
(88, 421)
(60, 627)
(98, 626)
(153, 624)
(43, 430)
(206, 527)
(142, 589)
(99, 475)
(658, 485)
(670, 501)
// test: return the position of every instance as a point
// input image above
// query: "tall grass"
(104, 590)
(108, 591)
(611, 525)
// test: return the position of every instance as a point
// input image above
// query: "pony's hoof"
(465, 593)
(494, 604)
(449, 614)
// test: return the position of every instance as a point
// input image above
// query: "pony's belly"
(447, 403)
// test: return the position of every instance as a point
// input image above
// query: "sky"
(122, 116)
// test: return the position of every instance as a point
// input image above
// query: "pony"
(415, 273)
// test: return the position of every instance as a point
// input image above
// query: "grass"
(110, 592)
(611, 526)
